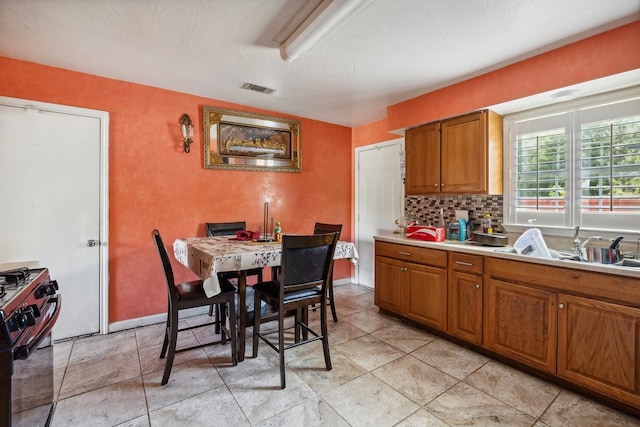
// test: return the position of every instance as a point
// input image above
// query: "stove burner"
(15, 276)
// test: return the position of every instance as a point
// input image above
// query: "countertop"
(499, 252)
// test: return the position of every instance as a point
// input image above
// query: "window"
(576, 164)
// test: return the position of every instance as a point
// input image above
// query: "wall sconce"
(187, 131)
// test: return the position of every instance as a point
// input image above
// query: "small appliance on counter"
(493, 239)
(458, 230)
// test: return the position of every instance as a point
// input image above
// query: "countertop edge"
(494, 252)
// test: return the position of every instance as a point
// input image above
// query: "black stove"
(29, 308)
(23, 295)
(13, 281)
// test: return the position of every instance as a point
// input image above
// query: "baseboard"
(162, 317)
(152, 320)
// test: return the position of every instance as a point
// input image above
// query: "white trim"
(358, 150)
(582, 104)
(153, 319)
(586, 102)
(345, 281)
(103, 117)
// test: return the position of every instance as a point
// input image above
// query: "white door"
(379, 200)
(51, 185)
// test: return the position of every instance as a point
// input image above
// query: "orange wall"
(377, 131)
(602, 55)
(154, 184)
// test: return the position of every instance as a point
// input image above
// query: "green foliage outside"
(609, 164)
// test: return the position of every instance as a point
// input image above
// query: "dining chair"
(305, 266)
(229, 228)
(321, 228)
(223, 229)
(189, 295)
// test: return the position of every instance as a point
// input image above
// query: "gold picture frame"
(247, 141)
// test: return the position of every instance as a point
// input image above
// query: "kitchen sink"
(628, 262)
(571, 255)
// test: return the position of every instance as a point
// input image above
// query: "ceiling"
(386, 52)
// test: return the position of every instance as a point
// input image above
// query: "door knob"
(92, 243)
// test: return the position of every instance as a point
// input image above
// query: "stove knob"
(24, 318)
(46, 290)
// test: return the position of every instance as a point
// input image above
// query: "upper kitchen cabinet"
(461, 155)
(422, 147)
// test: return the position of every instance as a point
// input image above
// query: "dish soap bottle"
(277, 231)
(486, 224)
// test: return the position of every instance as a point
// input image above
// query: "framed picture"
(247, 141)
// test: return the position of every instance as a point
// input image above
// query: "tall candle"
(265, 220)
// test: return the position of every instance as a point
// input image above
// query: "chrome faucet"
(577, 244)
(576, 239)
(587, 240)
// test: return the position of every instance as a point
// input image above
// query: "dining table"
(208, 256)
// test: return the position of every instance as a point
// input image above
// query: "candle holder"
(264, 237)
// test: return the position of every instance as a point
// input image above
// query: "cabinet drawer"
(466, 262)
(622, 289)
(426, 256)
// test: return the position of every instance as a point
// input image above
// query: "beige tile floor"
(385, 373)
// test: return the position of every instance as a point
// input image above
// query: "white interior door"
(51, 182)
(379, 200)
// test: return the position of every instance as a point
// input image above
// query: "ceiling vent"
(258, 88)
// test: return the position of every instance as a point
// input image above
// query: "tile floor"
(385, 373)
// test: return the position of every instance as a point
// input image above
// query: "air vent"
(258, 88)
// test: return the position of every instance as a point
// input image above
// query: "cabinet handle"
(405, 253)
(560, 305)
(404, 269)
(436, 185)
(477, 286)
(468, 264)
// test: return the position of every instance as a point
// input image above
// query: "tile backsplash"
(426, 209)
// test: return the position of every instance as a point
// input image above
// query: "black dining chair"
(321, 228)
(189, 295)
(224, 229)
(305, 266)
(230, 228)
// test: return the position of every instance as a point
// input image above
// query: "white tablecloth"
(208, 256)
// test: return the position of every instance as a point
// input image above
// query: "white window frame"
(563, 224)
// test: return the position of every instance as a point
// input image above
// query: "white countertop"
(498, 252)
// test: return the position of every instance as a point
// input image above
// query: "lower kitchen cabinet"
(388, 290)
(426, 295)
(465, 297)
(412, 282)
(521, 323)
(599, 346)
(579, 326)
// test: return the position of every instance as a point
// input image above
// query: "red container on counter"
(422, 232)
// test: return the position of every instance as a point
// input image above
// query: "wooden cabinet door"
(422, 148)
(465, 306)
(464, 154)
(388, 291)
(426, 295)
(599, 346)
(521, 323)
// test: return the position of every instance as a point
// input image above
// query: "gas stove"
(12, 281)
(29, 308)
(24, 291)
